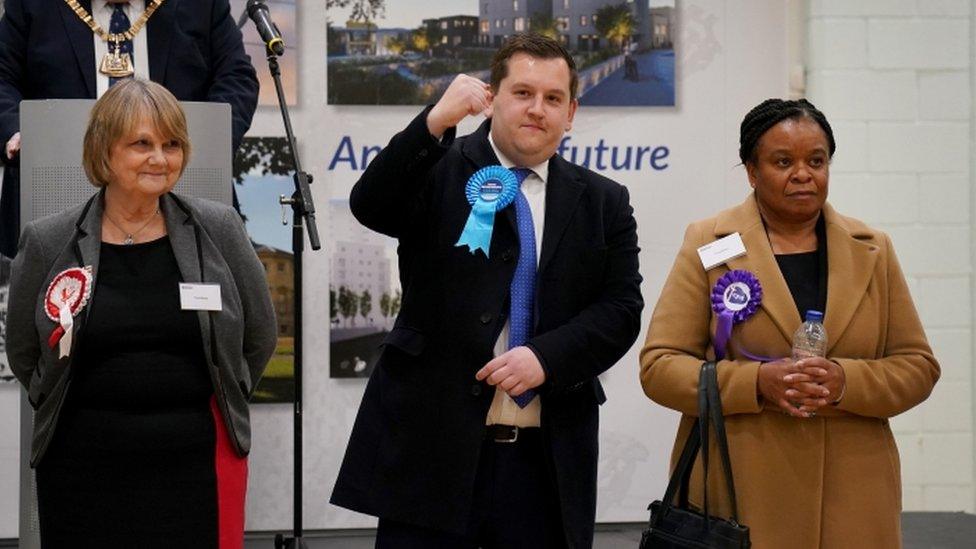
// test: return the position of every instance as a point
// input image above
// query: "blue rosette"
(489, 190)
(735, 298)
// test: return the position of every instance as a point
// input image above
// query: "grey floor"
(920, 531)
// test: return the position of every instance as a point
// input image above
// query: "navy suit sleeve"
(597, 337)
(233, 79)
(13, 41)
(390, 196)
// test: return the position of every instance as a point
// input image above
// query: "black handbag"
(674, 524)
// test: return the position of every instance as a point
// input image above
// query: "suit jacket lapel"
(563, 191)
(851, 264)
(777, 300)
(159, 30)
(89, 227)
(82, 42)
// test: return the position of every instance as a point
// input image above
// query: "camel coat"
(832, 481)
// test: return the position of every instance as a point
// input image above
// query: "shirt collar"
(540, 170)
(108, 6)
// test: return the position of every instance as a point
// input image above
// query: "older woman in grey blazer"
(139, 323)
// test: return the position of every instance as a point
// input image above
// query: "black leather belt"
(508, 433)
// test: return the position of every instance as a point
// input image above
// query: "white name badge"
(722, 250)
(200, 297)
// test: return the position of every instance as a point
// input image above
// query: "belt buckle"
(513, 432)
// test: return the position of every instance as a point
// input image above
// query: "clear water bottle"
(810, 338)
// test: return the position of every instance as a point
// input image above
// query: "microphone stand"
(303, 209)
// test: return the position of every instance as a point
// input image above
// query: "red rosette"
(72, 288)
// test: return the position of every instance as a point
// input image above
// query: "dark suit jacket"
(414, 449)
(47, 52)
(238, 340)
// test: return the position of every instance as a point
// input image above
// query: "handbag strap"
(682, 472)
(718, 420)
(709, 411)
(681, 475)
(704, 403)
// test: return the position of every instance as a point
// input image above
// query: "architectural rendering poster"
(406, 52)
(262, 173)
(284, 16)
(364, 292)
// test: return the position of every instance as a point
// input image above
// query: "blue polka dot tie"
(523, 284)
(118, 25)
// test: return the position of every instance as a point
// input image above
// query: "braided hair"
(771, 112)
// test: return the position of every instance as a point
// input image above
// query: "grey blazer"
(210, 245)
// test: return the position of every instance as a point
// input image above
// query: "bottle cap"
(815, 316)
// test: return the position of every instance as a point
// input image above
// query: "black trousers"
(515, 504)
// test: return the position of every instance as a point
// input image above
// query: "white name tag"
(200, 297)
(722, 250)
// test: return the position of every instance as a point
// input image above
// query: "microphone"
(258, 12)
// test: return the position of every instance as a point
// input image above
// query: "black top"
(806, 274)
(140, 351)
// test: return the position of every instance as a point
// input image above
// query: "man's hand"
(465, 96)
(515, 372)
(13, 146)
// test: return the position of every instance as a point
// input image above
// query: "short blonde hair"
(118, 112)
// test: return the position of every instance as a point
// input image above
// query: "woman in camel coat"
(813, 456)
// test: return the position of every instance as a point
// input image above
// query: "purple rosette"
(735, 297)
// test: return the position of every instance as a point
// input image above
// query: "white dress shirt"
(503, 409)
(102, 12)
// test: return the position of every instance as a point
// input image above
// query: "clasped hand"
(515, 371)
(801, 388)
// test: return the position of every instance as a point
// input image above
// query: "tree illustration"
(266, 155)
(365, 304)
(616, 24)
(424, 38)
(543, 23)
(386, 303)
(348, 305)
(333, 305)
(395, 303)
(362, 10)
(396, 45)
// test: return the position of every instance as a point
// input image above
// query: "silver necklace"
(129, 236)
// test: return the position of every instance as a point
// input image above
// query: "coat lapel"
(777, 300)
(82, 42)
(159, 29)
(183, 239)
(87, 248)
(563, 191)
(851, 263)
(89, 227)
(477, 149)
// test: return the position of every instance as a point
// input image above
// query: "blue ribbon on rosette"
(489, 190)
(735, 297)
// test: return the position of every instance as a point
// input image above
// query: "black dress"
(132, 460)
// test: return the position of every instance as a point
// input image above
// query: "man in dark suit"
(192, 47)
(478, 427)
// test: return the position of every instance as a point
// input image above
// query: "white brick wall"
(895, 79)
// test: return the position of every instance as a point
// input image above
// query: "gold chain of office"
(115, 64)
